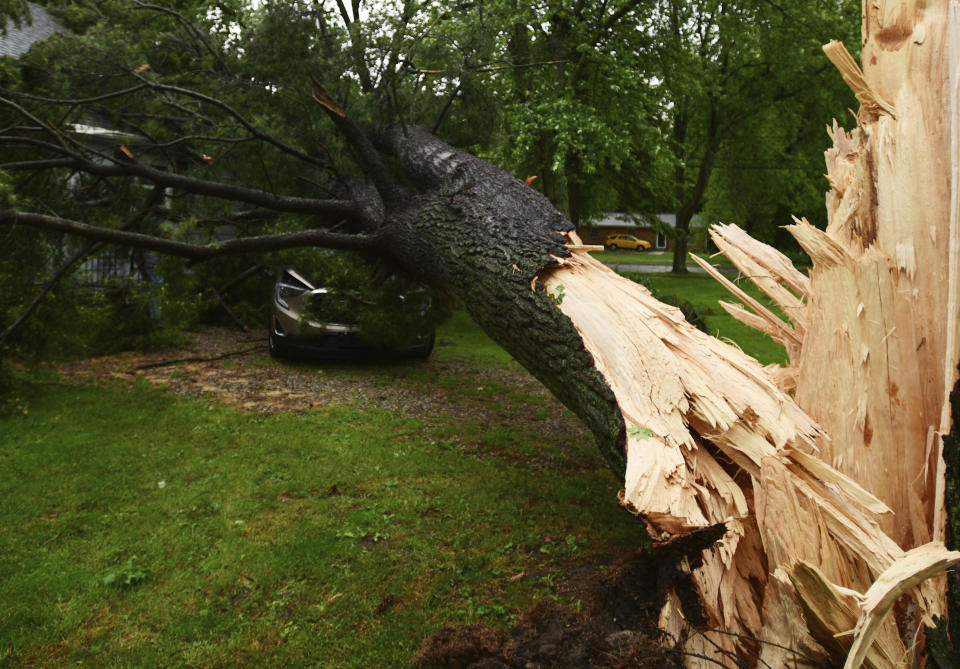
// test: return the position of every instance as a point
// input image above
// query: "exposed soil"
(615, 627)
(235, 368)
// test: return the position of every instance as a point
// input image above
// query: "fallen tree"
(826, 478)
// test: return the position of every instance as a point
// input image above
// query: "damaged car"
(393, 317)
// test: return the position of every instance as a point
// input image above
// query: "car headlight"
(288, 290)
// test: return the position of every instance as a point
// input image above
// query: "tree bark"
(486, 237)
(692, 202)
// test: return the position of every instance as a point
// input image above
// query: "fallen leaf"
(386, 604)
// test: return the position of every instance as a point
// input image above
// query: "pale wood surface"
(828, 473)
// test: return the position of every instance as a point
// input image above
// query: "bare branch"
(205, 138)
(196, 252)
(78, 101)
(91, 247)
(63, 140)
(295, 205)
(344, 14)
(57, 135)
(39, 164)
(446, 108)
(368, 157)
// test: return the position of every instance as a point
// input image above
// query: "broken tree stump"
(828, 474)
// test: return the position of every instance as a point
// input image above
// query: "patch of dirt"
(235, 368)
(615, 627)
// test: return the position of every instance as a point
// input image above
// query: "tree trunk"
(833, 491)
(694, 200)
(680, 243)
(706, 436)
(486, 237)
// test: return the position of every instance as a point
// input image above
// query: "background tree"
(580, 119)
(742, 83)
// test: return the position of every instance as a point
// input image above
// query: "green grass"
(653, 258)
(145, 529)
(703, 293)
(459, 337)
(338, 538)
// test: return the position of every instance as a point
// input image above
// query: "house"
(651, 228)
(112, 264)
(18, 40)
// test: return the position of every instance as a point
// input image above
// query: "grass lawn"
(653, 258)
(704, 292)
(143, 528)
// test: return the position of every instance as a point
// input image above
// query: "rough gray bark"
(485, 236)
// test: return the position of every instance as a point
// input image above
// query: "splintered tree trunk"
(825, 479)
(828, 475)
(817, 487)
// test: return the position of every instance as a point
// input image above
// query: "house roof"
(620, 219)
(17, 41)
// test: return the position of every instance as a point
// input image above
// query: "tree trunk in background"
(572, 172)
(680, 243)
(694, 199)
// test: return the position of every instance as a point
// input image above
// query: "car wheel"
(423, 351)
(277, 348)
(612, 247)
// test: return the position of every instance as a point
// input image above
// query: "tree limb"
(78, 101)
(368, 157)
(344, 14)
(195, 33)
(251, 128)
(196, 252)
(91, 247)
(296, 205)
(177, 361)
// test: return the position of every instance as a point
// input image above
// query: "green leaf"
(639, 432)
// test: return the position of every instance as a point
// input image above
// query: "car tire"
(278, 348)
(423, 351)
(612, 247)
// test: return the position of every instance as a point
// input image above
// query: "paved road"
(691, 267)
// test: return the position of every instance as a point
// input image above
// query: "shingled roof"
(18, 41)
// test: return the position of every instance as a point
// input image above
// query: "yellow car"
(624, 241)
